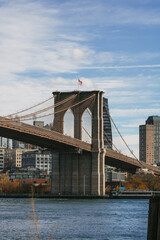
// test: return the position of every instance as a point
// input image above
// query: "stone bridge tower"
(80, 173)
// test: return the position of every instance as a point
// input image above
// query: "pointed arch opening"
(69, 123)
(87, 126)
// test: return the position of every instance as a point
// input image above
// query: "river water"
(107, 219)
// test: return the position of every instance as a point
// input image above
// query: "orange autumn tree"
(141, 181)
(6, 186)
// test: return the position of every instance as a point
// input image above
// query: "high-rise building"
(149, 140)
(107, 125)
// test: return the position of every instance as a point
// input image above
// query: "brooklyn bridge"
(76, 163)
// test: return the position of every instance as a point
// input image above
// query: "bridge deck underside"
(128, 167)
(42, 137)
(35, 140)
(126, 163)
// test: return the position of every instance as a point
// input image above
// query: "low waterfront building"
(32, 177)
(114, 178)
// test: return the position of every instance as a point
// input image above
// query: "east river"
(113, 219)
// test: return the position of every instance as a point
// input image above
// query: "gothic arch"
(68, 123)
(87, 126)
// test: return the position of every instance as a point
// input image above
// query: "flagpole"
(79, 83)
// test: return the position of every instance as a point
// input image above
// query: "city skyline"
(48, 45)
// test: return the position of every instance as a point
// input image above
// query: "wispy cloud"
(85, 12)
(123, 67)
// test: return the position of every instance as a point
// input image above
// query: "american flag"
(79, 82)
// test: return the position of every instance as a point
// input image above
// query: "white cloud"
(78, 53)
(86, 12)
(134, 112)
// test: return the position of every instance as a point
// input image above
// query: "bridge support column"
(102, 173)
(55, 183)
(96, 173)
(75, 176)
(79, 174)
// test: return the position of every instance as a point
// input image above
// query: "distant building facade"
(38, 123)
(2, 158)
(149, 141)
(38, 159)
(22, 145)
(5, 142)
(13, 157)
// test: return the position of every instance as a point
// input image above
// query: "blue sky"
(110, 45)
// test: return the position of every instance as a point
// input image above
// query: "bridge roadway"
(53, 140)
(40, 136)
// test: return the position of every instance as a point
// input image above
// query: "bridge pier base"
(78, 175)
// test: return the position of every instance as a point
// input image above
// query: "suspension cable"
(123, 139)
(30, 107)
(62, 109)
(87, 133)
(120, 134)
(44, 109)
(46, 115)
(111, 143)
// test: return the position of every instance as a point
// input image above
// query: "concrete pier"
(154, 219)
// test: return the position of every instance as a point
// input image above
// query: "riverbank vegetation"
(9, 186)
(137, 181)
(141, 181)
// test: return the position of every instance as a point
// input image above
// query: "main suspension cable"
(30, 107)
(46, 115)
(39, 111)
(111, 143)
(87, 133)
(120, 134)
(44, 109)
(123, 139)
